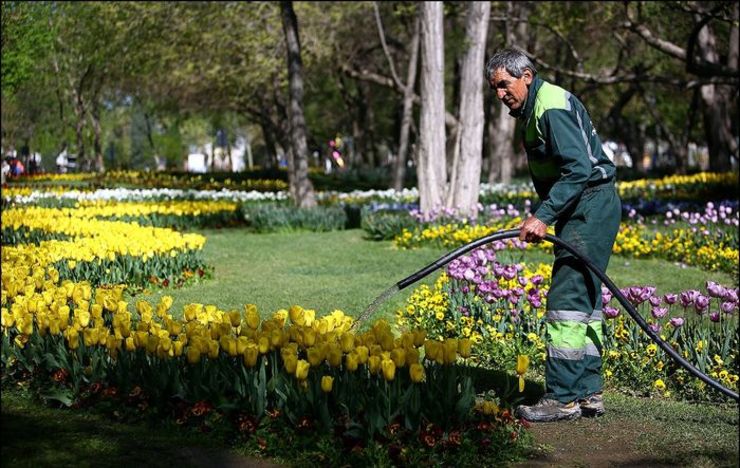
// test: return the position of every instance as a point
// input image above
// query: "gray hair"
(512, 60)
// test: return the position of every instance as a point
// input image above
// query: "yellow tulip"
(398, 356)
(315, 356)
(389, 369)
(327, 382)
(252, 316)
(347, 342)
(264, 344)
(297, 315)
(251, 352)
(373, 363)
(412, 356)
(416, 371)
(522, 364)
(301, 370)
(350, 362)
(290, 362)
(334, 356)
(130, 345)
(362, 354)
(309, 337)
(450, 350)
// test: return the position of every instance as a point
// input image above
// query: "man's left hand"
(532, 230)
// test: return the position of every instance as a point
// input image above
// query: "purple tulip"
(701, 303)
(498, 270)
(514, 299)
(537, 280)
(676, 322)
(465, 289)
(510, 272)
(670, 298)
(728, 307)
(534, 301)
(490, 298)
(606, 296)
(522, 281)
(730, 295)
(654, 301)
(469, 274)
(655, 327)
(659, 312)
(715, 290)
(688, 297)
(646, 293)
(611, 312)
(714, 316)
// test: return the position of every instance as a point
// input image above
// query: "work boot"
(547, 410)
(592, 405)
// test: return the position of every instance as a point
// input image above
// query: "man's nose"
(500, 93)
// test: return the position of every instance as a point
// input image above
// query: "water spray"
(513, 233)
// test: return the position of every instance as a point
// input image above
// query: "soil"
(589, 442)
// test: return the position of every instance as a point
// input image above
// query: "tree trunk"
(79, 110)
(501, 136)
(719, 104)
(465, 185)
(97, 144)
(399, 172)
(501, 128)
(301, 185)
(431, 171)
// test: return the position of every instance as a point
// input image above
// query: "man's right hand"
(532, 230)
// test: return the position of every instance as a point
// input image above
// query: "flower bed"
(500, 307)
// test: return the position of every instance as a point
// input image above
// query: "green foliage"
(276, 218)
(385, 224)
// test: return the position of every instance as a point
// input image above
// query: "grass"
(341, 270)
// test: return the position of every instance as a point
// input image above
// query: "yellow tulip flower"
(301, 370)
(417, 373)
(522, 364)
(389, 369)
(350, 362)
(251, 352)
(327, 382)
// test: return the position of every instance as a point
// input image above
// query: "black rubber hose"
(501, 235)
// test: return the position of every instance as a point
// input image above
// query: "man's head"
(510, 72)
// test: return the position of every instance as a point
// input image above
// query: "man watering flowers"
(575, 182)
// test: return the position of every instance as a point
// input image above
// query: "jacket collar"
(525, 112)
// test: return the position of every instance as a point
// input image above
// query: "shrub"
(276, 218)
(385, 224)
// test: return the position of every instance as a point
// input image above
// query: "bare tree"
(301, 187)
(466, 165)
(431, 170)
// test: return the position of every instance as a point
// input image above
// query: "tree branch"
(372, 77)
(385, 47)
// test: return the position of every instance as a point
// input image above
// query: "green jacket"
(563, 150)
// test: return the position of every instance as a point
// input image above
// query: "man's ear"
(528, 76)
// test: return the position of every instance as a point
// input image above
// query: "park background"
(319, 151)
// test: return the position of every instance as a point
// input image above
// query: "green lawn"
(341, 270)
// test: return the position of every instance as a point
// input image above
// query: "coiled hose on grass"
(501, 235)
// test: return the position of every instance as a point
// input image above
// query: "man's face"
(511, 91)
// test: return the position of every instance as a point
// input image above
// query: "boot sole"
(554, 417)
